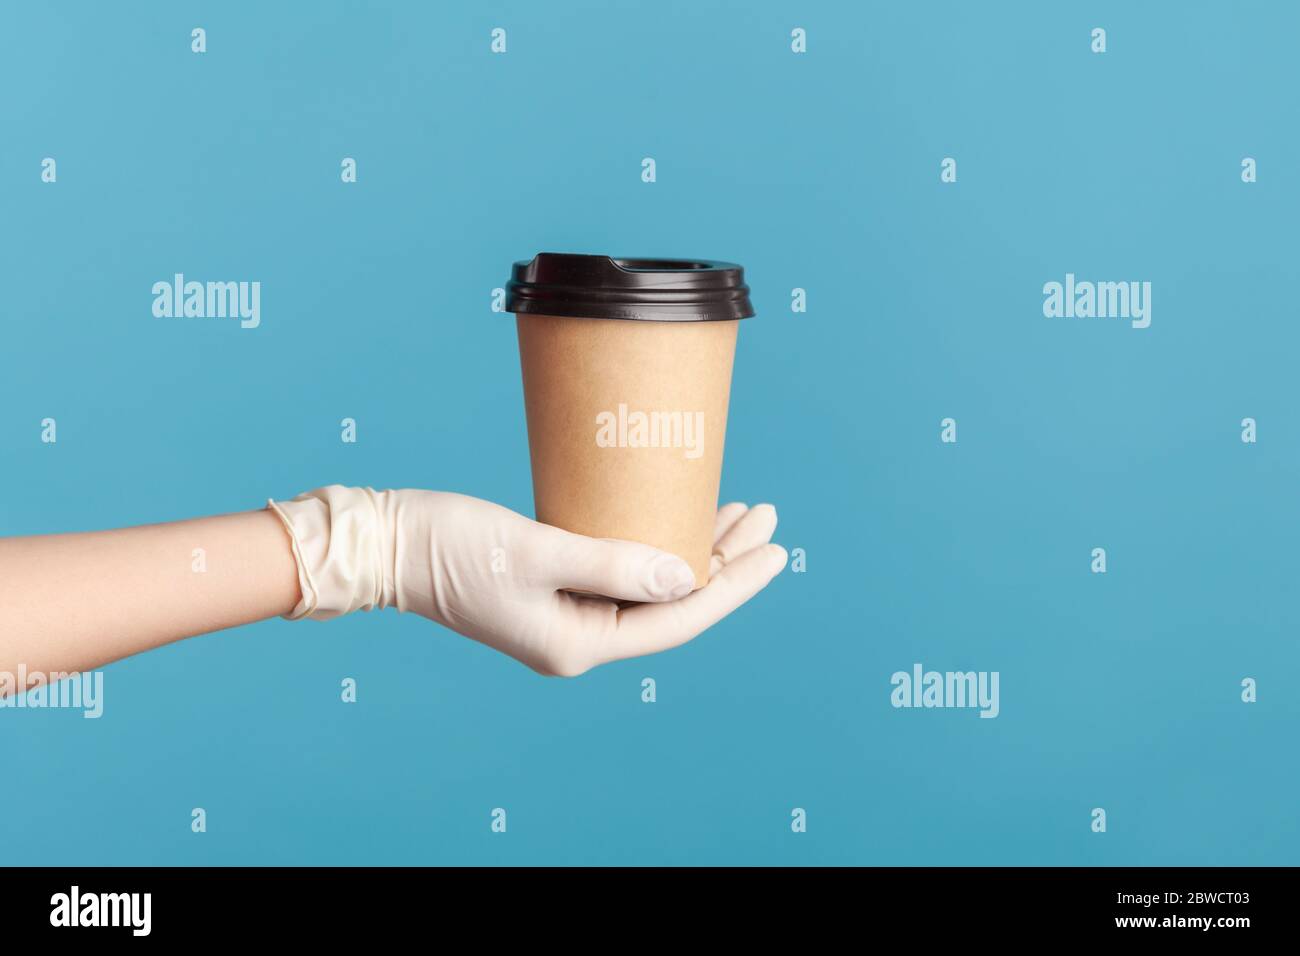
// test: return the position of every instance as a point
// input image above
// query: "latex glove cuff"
(343, 549)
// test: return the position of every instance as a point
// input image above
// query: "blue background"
(818, 171)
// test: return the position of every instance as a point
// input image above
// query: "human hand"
(507, 581)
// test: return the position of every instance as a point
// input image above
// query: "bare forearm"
(73, 602)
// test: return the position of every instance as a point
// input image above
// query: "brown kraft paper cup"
(627, 411)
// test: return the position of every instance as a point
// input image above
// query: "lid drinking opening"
(659, 265)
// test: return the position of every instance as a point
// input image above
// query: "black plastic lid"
(602, 287)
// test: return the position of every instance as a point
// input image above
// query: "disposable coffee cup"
(627, 376)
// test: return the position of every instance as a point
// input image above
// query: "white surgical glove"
(502, 579)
